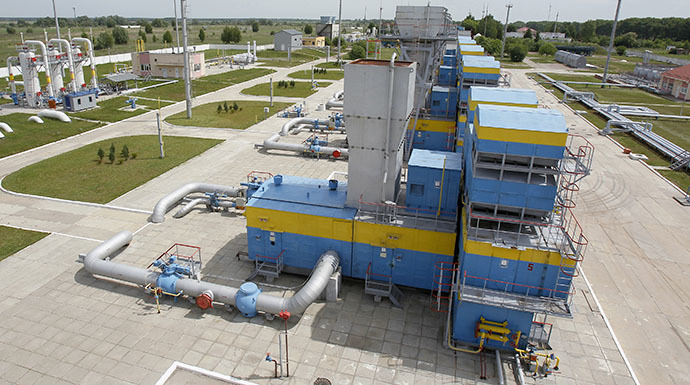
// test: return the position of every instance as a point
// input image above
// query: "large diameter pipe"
(70, 60)
(170, 200)
(273, 143)
(499, 368)
(298, 303)
(391, 79)
(89, 47)
(95, 263)
(337, 100)
(13, 87)
(46, 63)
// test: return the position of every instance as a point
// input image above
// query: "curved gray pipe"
(70, 61)
(170, 200)
(189, 206)
(272, 143)
(95, 263)
(337, 100)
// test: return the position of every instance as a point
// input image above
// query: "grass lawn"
(14, 240)
(109, 110)
(206, 84)
(679, 178)
(330, 64)
(329, 75)
(541, 59)
(101, 183)
(207, 115)
(28, 135)
(300, 90)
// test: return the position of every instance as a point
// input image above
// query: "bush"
(101, 155)
(231, 35)
(104, 40)
(547, 49)
(620, 50)
(142, 36)
(111, 153)
(308, 29)
(134, 155)
(125, 152)
(357, 52)
(219, 109)
(235, 106)
(225, 106)
(167, 37)
(255, 27)
(120, 35)
(148, 28)
(202, 35)
(292, 83)
(517, 53)
(155, 39)
(159, 23)
(11, 30)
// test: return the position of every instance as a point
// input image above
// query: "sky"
(524, 10)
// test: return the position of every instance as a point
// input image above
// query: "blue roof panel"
(477, 61)
(521, 118)
(503, 95)
(434, 159)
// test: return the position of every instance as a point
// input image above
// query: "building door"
(165, 72)
(177, 72)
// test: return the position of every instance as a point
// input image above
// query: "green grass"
(206, 84)
(679, 178)
(329, 75)
(14, 240)
(207, 115)
(330, 64)
(281, 63)
(78, 175)
(28, 135)
(300, 90)
(541, 59)
(109, 110)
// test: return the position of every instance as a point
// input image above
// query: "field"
(28, 135)
(103, 182)
(207, 115)
(280, 58)
(329, 75)
(14, 240)
(205, 85)
(110, 110)
(300, 90)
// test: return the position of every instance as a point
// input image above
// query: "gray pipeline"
(170, 200)
(95, 263)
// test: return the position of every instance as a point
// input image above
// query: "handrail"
(271, 258)
(177, 254)
(465, 276)
(379, 275)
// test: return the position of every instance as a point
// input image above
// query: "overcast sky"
(523, 9)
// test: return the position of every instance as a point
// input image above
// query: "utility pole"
(505, 30)
(160, 135)
(340, 26)
(613, 35)
(57, 24)
(486, 15)
(549, 16)
(177, 30)
(556, 24)
(380, 19)
(74, 9)
(187, 82)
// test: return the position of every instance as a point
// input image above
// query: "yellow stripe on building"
(472, 53)
(432, 125)
(481, 70)
(394, 237)
(521, 136)
(473, 104)
(303, 224)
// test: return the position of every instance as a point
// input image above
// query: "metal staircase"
(680, 160)
(380, 285)
(268, 267)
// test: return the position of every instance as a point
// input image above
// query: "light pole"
(505, 30)
(613, 35)
(177, 29)
(57, 24)
(340, 25)
(187, 82)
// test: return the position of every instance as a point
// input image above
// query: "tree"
(255, 26)
(235, 106)
(101, 154)
(357, 51)
(111, 153)
(547, 49)
(83, 34)
(202, 35)
(159, 23)
(11, 30)
(620, 50)
(528, 34)
(292, 83)
(167, 37)
(148, 28)
(104, 40)
(235, 35)
(142, 36)
(308, 29)
(219, 109)
(125, 152)
(225, 106)
(120, 35)
(371, 27)
(518, 53)
(628, 40)
(155, 38)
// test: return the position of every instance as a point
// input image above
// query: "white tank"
(79, 60)
(56, 66)
(27, 62)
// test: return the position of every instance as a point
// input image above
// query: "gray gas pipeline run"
(177, 280)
